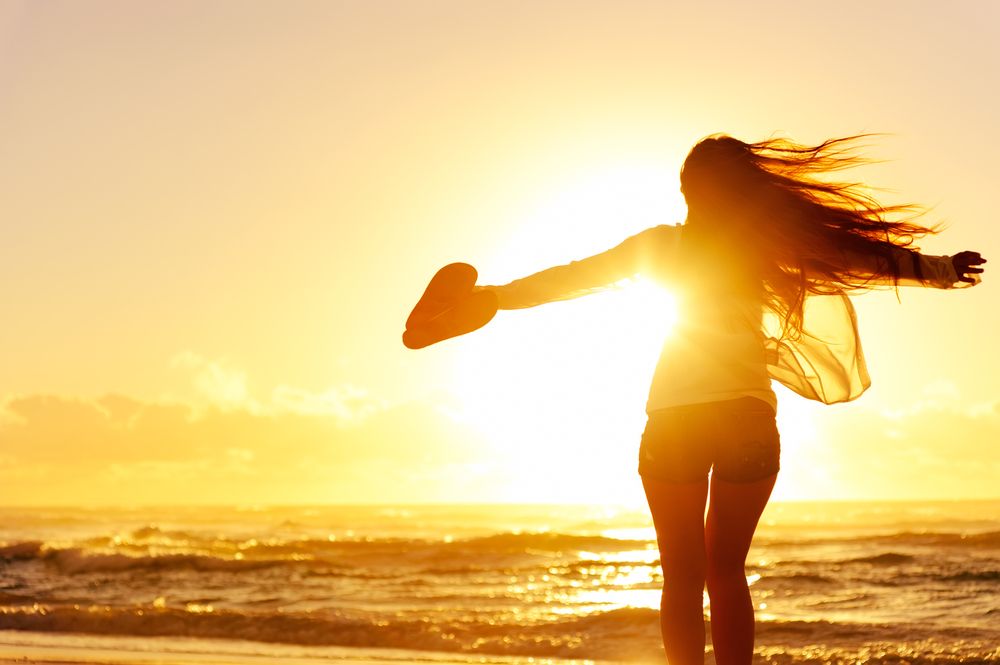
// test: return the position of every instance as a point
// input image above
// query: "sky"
(216, 217)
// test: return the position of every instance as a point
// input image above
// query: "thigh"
(678, 511)
(733, 512)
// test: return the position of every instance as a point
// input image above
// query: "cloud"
(226, 387)
(229, 446)
(938, 447)
(342, 444)
(117, 449)
(222, 385)
(347, 403)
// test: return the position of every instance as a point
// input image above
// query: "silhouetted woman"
(760, 270)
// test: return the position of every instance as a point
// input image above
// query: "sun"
(559, 390)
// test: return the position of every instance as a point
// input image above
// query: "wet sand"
(62, 655)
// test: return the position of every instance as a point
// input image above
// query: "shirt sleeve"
(915, 269)
(638, 254)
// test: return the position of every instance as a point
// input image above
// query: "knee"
(683, 577)
(723, 568)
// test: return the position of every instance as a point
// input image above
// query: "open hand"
(965, 266)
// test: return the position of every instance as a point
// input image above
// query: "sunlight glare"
(561, 389)
(587, 213)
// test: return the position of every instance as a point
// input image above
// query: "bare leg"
(733, 514)
(678, 511)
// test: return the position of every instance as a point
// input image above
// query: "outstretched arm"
(636, 255)
(916, 269)
(942, 272)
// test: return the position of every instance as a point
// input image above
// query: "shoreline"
(27, 647)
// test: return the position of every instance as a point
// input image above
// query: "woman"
(760, 269)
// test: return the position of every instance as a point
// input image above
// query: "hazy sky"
(216, 216)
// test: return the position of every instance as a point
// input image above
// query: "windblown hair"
(788, 226)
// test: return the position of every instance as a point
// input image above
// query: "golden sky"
(216, 217)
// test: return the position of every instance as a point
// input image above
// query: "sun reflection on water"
(647, 556)
(646, 533)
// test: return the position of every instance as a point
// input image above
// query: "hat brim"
(448, 286)
(463, 316)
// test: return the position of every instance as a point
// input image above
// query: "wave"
(80, 561)
(974, 576)
(487, 553)
(885, 636)
(622, 634)
(879, 559)
(330, 628)
(831, 631)
(800, 578)
(435, 566)
(513, 540)
(550, 542)
(443, 553)
(980, 540)
(21, 551)
(883, 559)
(75, 560)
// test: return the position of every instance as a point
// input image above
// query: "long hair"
(786, 226)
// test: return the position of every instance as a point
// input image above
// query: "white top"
(726, 351)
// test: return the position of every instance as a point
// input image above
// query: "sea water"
(831, 582)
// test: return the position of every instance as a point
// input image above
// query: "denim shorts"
(737, 439)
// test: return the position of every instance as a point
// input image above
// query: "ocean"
(832, 582)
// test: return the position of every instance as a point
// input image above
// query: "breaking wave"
(629, 633)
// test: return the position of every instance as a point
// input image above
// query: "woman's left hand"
(965, 266)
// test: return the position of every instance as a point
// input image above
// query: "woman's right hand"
(965, 266)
